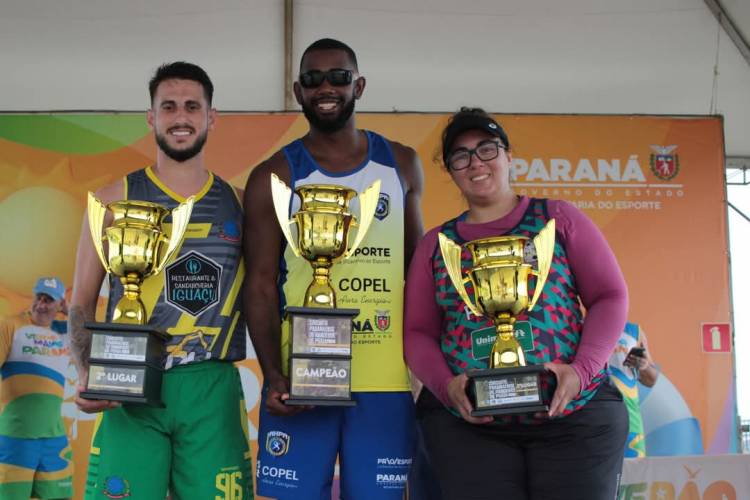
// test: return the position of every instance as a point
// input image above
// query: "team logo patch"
(382, 320)
(116, 487)
(277, 443)
(664, 165)
(192, 283)
(384, 206)
(230, 231)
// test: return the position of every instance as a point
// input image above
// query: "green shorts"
(196, 447)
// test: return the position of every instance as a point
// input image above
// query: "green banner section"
(74, 133)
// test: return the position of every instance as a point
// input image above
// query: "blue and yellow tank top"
(556, 321)
(372, 280)
(197, 298)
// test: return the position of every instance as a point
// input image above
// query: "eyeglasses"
(336, 77)
(485, 151)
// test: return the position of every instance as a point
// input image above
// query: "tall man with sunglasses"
(374, 440)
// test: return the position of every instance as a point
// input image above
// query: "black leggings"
(578, 457)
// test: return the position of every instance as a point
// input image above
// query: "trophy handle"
(96, 212)
(368, 203)
(180, 221)
(281, 195)
(544, 243)
(452, 257)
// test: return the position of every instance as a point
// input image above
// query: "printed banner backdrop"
(655, 185)
(722, 477)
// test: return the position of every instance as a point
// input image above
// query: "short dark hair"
(470, 119)
(183, 71)
(330, 44)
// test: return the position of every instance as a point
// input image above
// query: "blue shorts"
(374, 440)
(39, 468)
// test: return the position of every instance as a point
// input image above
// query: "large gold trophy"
(499, 276)
(126, 356)
(320, 333)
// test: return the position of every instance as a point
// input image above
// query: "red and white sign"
(716, 337)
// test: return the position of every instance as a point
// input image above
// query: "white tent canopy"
(528, 56)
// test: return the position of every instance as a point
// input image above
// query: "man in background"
(630, 364)
(35, 458)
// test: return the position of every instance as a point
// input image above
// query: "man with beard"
(373, 440)
(197, 446)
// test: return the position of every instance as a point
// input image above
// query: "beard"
(329, 125)
(181, 155)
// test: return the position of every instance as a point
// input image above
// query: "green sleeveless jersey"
(197, 298)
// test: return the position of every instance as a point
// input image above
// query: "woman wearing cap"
(573, 451)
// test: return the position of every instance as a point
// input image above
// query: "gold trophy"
(125, 360)
(499, 277)
(321, 334)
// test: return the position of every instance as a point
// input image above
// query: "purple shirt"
(600, 282)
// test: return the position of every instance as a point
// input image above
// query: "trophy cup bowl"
(499, 276)
(321, 334)
(323, 224)
(134, 243)
(323, 235)
(125, 358)
(501, 288)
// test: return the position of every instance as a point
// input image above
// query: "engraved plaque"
(321, 335)
(320, 378)
(117, 378)
(130, 347)
(506, 390)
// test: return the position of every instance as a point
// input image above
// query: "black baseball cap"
(471, 119)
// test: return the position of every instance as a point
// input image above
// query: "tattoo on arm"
(80, 337)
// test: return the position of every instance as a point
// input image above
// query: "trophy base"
(320, 358)
(509, 411)
(125, 363)
(506, 391)
(122, 398)
(319, 402)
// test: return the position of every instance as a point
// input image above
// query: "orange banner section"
(655, 185)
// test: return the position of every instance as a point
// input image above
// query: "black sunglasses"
(336, 77)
